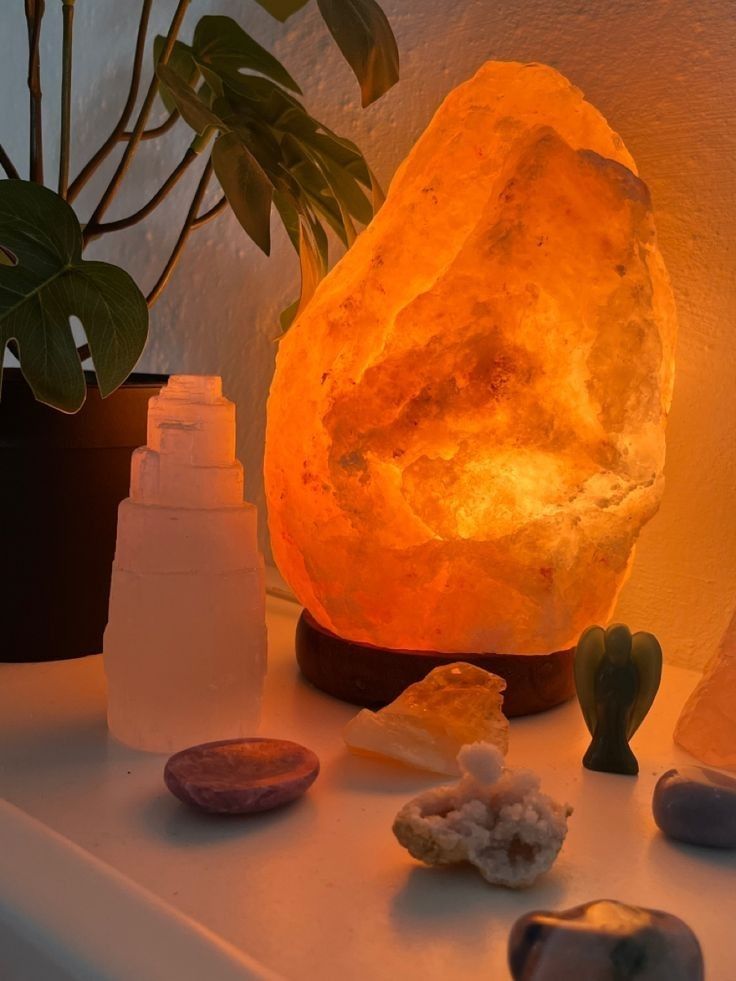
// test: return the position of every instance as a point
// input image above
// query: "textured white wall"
(661, 71)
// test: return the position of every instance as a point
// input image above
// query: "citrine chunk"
(431, 720)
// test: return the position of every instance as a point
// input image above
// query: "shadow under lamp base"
(374, 676)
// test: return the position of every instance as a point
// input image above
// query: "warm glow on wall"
(466, 426)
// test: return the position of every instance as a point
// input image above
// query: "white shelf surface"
(321, 889)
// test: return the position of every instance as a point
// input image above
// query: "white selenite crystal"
(185, 644)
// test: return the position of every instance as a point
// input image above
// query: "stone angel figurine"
(616, 676)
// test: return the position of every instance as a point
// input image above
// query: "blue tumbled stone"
(697, 805)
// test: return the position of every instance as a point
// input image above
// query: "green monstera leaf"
(268, 148)
(47, 283)
(362, 32)
(282, 9)
(192, 107)
(221, 45)
(247, 188)
(181, 62)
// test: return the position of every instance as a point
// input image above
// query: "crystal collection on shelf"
(454, 479)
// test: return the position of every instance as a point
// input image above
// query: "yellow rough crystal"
(427, 724)
(466, 424)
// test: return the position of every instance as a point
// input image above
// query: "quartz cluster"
(466, 424)
(433, 719)
(497, 820)
(185, 644)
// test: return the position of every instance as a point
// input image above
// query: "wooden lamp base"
(374, 676)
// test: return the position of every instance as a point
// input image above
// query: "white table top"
(321, 890)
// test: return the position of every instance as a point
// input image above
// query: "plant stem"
(92, 232)
(183, 235)
(91, 166)
(7, 164)
(66, 96)
(140, 125)
(155, 131)
(213, 212)
(34, 16)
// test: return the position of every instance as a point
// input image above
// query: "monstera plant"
(250, 132)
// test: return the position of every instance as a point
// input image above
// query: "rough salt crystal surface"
(604, 941)
(466, 424)
(185, 644)
(707, 726)
(497, 820)
(431, 720)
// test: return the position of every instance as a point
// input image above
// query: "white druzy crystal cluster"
(496, 819)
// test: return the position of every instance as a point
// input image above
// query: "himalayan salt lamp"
(466, 424)
(430, 722)
(185, 644)
(707, 726)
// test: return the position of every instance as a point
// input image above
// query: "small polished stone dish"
(241, 776)
(696, 805)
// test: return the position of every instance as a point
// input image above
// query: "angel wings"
(617, 676)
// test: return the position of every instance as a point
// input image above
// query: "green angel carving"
(616, 676)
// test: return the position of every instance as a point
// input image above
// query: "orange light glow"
(466, 425)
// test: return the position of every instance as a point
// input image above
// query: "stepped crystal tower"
(185, 644)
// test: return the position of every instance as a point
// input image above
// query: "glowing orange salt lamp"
(466, 425)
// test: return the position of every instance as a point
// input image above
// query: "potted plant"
(65, 434)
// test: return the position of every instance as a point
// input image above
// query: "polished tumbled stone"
(697, 805)
(241, 776)
(604, 941)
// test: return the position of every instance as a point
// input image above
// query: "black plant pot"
(61, 480)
